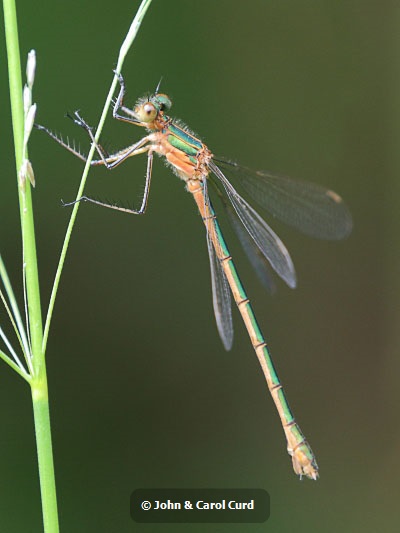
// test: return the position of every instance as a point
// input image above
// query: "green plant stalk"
(41, 413)
(38, 382)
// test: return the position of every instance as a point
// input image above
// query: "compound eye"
(163, 101)
(147, 112)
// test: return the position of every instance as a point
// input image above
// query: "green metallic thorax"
(182, 140)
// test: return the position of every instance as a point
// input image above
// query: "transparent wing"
(264, 238)
(253, 253)
(312, 209)
(221, 294)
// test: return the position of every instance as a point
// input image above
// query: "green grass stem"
(33, 340)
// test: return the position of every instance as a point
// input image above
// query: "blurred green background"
(142, 392)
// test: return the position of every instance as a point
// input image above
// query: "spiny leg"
(106, 159)
(142, 209)
(110, 161)
(113, 160)
(65, 145)
(119, 104)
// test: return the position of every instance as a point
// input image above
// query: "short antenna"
(158, 85)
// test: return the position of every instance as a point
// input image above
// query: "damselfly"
(310, 208)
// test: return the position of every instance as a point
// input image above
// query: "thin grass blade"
(13, 313)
